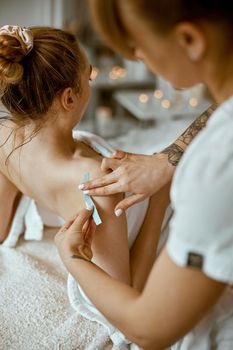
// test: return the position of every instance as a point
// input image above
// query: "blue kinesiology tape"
(89, 203)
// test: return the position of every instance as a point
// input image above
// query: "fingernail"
(89, 207)
(118, 212)
(86, 192)
(81, 187)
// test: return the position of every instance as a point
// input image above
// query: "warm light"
(122, 72)
(112, 75)
(94, 73)
(117, 72)
(193, 101)
(158, 94)
(103, 112)
(165, 103)
(116, 69)
(143, 98)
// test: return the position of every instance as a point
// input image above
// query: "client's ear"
(191, 38)
(68, 99)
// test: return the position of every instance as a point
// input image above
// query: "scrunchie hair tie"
(22, 34)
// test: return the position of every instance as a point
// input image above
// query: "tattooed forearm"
(174, 153)
(190, 133)
(176, 150)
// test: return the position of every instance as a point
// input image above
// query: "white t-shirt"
(201, 230)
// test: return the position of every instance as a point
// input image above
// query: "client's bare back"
(52, 181)
(46, 176)
(46, 95)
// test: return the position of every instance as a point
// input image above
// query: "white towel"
(35, 312)
(27, 221)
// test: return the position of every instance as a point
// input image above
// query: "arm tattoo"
(189, 134)
(74, 256)
(175, 151)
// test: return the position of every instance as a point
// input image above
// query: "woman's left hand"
(75, 236)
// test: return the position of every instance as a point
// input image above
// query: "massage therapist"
(187, 302)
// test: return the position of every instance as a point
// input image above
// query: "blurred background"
(133, 109)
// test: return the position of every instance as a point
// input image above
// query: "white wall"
(25, 12)
(37, 12)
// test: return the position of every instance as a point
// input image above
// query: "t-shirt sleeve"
(201, 230)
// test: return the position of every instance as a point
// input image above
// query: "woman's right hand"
(142, 175)
(75, 237)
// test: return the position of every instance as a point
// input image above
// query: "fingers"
(80, 220)
(90, 232)
(103, 181)
(104, 191)
(118, 154)
(75, 236)
(128, 202)
(86, 226)
(107, 164)
(110, 164)
(67, 225)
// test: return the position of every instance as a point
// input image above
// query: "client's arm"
(110, 244)
(8, 202)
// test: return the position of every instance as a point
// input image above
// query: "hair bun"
(11, 71)
(23, 35)
(15, 43)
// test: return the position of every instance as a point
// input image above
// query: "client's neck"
(53, 136)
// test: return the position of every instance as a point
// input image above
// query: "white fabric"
(27, 220)
(35, 313)
(202, 198)
(80, 302)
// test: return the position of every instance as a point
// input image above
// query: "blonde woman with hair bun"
(44, 88)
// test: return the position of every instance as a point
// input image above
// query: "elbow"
(147, 343)
(2, 238)
(148, 339)
(147, 333)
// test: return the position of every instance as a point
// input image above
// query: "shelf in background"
(145, 106)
